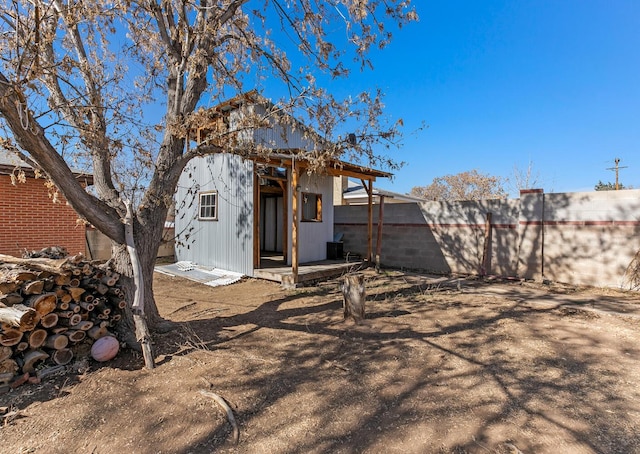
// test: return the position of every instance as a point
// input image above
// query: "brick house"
(29, 218)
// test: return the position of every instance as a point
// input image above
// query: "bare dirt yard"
(439, 366)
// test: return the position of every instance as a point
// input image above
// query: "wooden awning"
(333, 167)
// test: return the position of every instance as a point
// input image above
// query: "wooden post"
(256, 217)
(353, 292)
(369, 189)
(294, 222)
(485, 266)
(379, 238)
(285, 223)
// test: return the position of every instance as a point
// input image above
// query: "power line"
(617, 170)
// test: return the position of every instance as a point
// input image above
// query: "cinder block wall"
(30, 220)
(99, 245)
(437, 237)
(585, 238)
(590, 238)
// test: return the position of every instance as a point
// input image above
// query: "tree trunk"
(147, 243)
(353, 292)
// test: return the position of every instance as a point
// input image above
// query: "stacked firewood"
(52, 310)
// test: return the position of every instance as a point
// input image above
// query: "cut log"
(63, 296)
(101, 307)
(48, 284)
(71, 321)
(5, 352)
(353, 292)
(43, 304)
(49, 320)
(22, 317)
(33, 288)
(75, 308)
(53, 266)
(97, 332)
(102, 289)
(87, 269)
(116, 292)
(9, 287)
(110, 279)
(84, 325)
(76, 293)
(24, 276)
(87, 306)
(37, 338)
(10, 337)
(22, 346)
(63, 279)
(75, 335)
(57, 341)
(31, 358)
(10, 299)
(8, 366)
(62, 356)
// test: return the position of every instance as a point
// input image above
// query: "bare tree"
(527, 178)
(470, 185)
(77, 79)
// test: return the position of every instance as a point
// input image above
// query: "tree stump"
(354, 297)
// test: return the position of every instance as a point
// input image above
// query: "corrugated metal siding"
(228, 242)
(276, 136)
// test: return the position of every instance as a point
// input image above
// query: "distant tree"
(469, 185)
(608, 186)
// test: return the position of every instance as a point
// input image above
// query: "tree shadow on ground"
(384, 381)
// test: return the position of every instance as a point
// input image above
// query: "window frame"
(318, 207)
(214, 205)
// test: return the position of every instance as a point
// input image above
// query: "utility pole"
(617, 170)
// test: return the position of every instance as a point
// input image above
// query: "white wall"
(313, 236)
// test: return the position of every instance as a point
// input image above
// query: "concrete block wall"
(29, 219)
(99, 245)
(437, 237)
(590, 238)
(585, 238)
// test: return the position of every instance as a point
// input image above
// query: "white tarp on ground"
(213, 277)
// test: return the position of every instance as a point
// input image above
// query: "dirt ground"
(439, 366)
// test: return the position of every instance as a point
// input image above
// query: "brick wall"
(30, 220)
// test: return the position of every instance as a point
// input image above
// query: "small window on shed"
(208, 209)
(311, 207)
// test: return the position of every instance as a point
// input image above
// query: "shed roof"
(287, 157)
(10, 162)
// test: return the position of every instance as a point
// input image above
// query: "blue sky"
(503, 83)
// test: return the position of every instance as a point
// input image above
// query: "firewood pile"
(52, 310)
